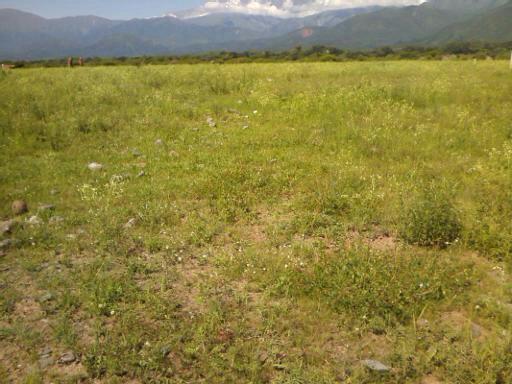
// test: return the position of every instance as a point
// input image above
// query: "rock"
(245, 127)
(45, 358)
(7, 226)
(46, 207)
(136, 152)
(130, 224)
(67, 358)
(54, 192)
(34, 220)
(95, 166)
(141, 174)
(263, 357)
(376, 366)
(8, 243)
(45, 297)
(211, 122)
(56, 220)
(19, 207)
(159, 142)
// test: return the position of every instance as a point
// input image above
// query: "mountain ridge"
(27, 36)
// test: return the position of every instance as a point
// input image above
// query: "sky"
(113, 9)
(127, 9)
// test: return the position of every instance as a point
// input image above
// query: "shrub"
(431, 220)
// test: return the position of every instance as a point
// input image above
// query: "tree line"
(318, 53)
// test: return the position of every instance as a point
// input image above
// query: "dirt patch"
(459, 321)
(379, 240)
(28, 309)
(430, 380)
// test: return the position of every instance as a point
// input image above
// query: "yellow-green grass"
(292, 221)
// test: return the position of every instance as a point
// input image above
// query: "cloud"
(287, 8)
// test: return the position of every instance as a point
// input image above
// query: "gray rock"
(159, 142)
(8, 243)
(376, 366)
(130, 224)
(95, 166)
(136, 152)
(45, 358)
(67, 358)
(211, 122)
(45, 362)
(54, 192)
(7, 226)
(34, 220)
(46, 207)
(141, 174)
(45, 297)
(56, 220)
(19, 207)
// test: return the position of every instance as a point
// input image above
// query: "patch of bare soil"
(430, 380)
(458, 320)
(377, 239)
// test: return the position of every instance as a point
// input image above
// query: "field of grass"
(272, 223)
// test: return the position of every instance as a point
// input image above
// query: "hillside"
(494, 25)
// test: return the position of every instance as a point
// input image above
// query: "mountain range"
(24, 36)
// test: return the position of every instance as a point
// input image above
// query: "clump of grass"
(378, 290)
(431, 219)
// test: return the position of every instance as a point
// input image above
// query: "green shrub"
(431, 220)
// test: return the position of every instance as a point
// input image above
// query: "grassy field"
(276, 223)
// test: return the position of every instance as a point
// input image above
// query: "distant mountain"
(387, 26)
(27, 36)
(466, 5)
(494, 25)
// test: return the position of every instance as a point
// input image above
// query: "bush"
(431, 220)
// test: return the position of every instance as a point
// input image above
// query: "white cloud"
(287, 8)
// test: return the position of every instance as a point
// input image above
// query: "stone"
(7, 226)
(46, 207)
(56, 220)
(45, 297)
(54, 192)
(141, 174)
(67, 358)
(159, 142)
(19, 207)
(8, 243)
(45, 358)
(35, 220)
(130, 224)
(136, 152)
(376, 366)
(211, 122)
(95, 166)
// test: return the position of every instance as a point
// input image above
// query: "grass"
(332, 213)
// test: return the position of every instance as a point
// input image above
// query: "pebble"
(7, 243)
(34, 220)
(375, 365)
(19, 207)
(95, 166)
(45, 297)
(45, 358)
(141, 174)
(47, 207)
(56, 220)
(159, 142)
(130, 224)
(67, 358)
(7, 226)
(136, 152)
(211, 122)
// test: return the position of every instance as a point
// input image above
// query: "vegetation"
(259, 223)
(451, 51)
